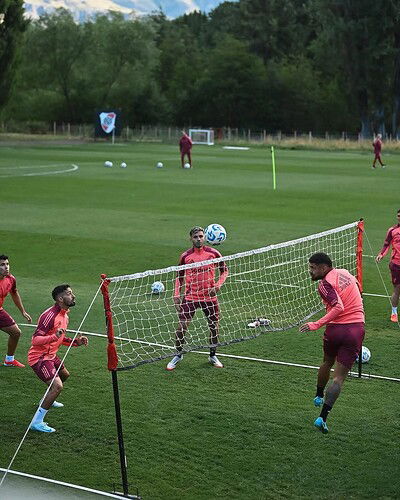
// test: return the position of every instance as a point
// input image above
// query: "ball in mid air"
(157, 287)
(215, 234)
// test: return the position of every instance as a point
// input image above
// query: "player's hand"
(308, 327)
(82, 340)
(212, 292)
(27, 317)
(378, 258)
(60, 332)
(177, 302)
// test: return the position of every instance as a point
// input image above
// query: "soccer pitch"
(243, 432)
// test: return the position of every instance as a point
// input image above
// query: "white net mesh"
(271, 283)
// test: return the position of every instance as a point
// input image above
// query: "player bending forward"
(42, 356)
(344, 332)
(200, 292)
(8, 285)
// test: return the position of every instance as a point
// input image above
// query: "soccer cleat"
(321, 425)
(383, 166)
(394, 318)
(14, 363)
(215, 362)
(42, 427)
(318, 401)
(56, 404)
(174, 361)
(258, 322)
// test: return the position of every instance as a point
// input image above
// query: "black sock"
(320, 392)
(325, 411)
(212, 352)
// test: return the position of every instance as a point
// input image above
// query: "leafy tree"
(12, 27)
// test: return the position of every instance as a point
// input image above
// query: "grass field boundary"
(73, 168)
(62, 483)
(233, 356)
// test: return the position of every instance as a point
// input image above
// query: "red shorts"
(188, 309)
(45, 369)
(343, 342)
(5, 319)
(395, 272)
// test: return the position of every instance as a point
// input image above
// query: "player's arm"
(41, 337)
(18, 302)
(329, 295)
(386, 246)
(78, 341)
(223, 274)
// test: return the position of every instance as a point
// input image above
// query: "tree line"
(320, 65)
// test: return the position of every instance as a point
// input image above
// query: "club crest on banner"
(107, 121)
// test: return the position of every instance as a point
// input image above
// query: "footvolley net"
(267, 289)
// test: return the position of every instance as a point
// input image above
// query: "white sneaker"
(56, 404)
(258, 322)
(174, 361)
(215, 362)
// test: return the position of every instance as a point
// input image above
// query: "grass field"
(196, 433)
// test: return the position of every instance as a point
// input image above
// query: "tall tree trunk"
(364, 114)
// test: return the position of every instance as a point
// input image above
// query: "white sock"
(9, 358)
(39, 415)
(394, 311)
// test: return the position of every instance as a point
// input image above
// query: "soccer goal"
(268, 289)
(199, 136)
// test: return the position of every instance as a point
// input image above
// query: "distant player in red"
(377, 150)
(185, 147)
(344, 332)
(200, 292)
(8, 285)
(42, 355)
(393, 239)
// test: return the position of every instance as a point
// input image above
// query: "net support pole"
(273, 168)
(112, 366)
(359, 275)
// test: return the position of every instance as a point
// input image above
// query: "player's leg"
(182, 159)
(63, 374)
(324, 373)
(8, 325)
(394, 299)
(189, 155)
(211, 312)
(185, 315)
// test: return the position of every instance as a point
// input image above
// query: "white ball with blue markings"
(157, 287)
(215, 234)
(365, 355)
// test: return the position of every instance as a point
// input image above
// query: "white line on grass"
(34, 174)
(234, 356)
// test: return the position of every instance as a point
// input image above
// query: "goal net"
(267, 289)
(202, 136)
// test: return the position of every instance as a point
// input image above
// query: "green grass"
(243, 432)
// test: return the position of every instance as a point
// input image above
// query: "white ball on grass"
(108, 164)
(186, 165)
(123, 165)
(159, 165)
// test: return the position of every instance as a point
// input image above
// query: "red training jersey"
(185, 144)
(377, 146)
(199, 280)
(339, 286)
(7, 284)
(392, 239)
(45, 342)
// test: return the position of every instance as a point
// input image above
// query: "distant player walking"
(8, 285)
(42, 356)
(393, 239)
(200, 292)
(185, 147)
(344, 332)
(377, 144)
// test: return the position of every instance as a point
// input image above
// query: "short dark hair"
(320, 258)
(3, 257)
(195, 229)
(58, 290)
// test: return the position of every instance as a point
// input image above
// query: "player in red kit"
(185, 147)
(377, 150)
(393, 240)
(42, 355)
(344, 333)
(8, 285)
(200, 292)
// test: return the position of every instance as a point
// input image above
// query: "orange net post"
(359, 253)
(111, 349)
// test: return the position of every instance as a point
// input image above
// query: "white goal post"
(272, 283)
(200, 136)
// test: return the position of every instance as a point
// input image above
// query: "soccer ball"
(108, 164)
(365, 356)
(186, 165)
(123, 165)
(215, 234)
(159, 165)
(157, 287)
